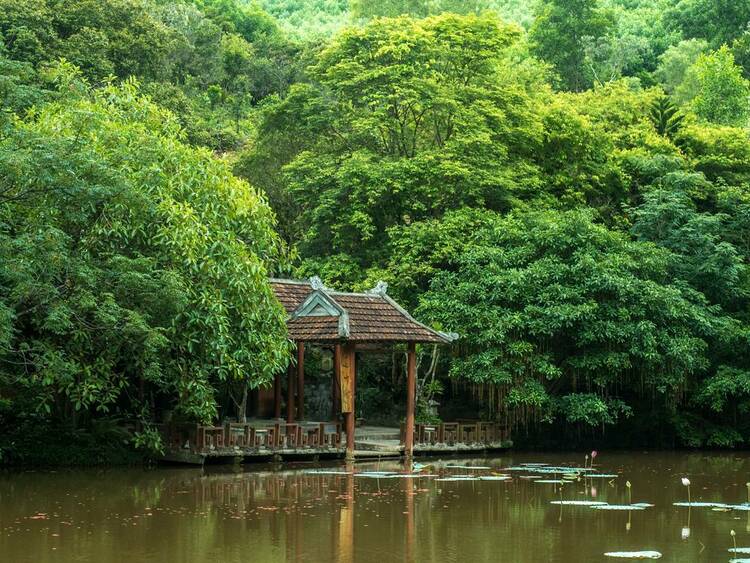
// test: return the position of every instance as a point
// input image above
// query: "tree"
(128, 257)
(195, 54)
(121, 37)
(408, 118)
(388, 8)
(723, 95)
(559, 34)
(721, 153)
(673, 68)
(313, 19)
(246, 19)
(559, 317)
(717, 21)
(666, 117)
(741, 51)
(713, 266)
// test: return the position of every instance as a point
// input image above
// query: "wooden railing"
(277, 436)
(469, 432)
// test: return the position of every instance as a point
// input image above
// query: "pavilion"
(347, 322)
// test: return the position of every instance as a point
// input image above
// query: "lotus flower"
(685, 533)
(630, 496)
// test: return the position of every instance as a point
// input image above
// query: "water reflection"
(269, 514)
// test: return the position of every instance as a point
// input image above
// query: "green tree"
(388, 8)
(669, 218)
(561, 317)
(741, 51)
(723, 95)
(418, 8)
(666, 117)
(717, 21)
(560, 33)
(673, 68)
(408, 118)
(722, 153)
(121, 37)
(127, 256)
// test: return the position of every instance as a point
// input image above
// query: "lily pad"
(327, 472)
(742, 550)
(618, 507)
(494, 478)
(741, 507)
(634, 554)
(643, 504)
(467, 467)
(601, 476)
(457, 479)
(550, 481)
(578, 502)
(534, 464)
(703, 504)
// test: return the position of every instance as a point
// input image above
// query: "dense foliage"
(132, 267)
(565, 183)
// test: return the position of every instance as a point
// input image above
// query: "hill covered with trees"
(565, 183)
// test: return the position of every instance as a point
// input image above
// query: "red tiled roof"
(291, 294)
(369, 317)
(313, 329)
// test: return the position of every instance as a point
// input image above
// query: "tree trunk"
(242, 406)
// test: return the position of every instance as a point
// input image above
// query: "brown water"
(265, 514)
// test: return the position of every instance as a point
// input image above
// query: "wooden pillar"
(346, 375)
(301, 381)
(277, 396)
(290, 394)
(411, 392)
(335, 389)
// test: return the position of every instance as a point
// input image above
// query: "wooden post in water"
(300, 381)
(411, 393)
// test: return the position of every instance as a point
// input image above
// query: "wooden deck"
(264, 440)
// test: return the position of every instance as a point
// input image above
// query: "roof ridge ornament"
(381, 288)
(317, 283)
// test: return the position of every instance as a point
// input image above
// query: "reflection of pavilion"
(347, 323)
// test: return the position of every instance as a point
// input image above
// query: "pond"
(268, 514)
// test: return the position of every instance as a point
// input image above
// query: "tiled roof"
(339, 316)
(313, 329)
(291, 294)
